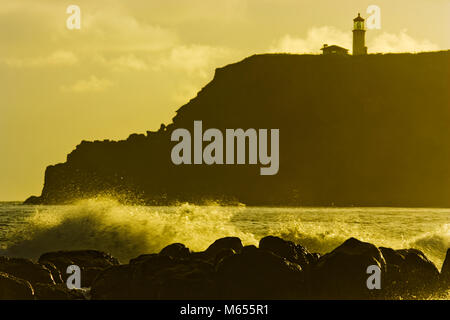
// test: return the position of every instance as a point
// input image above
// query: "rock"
(142, 257)
(249, 248)
(13, 288)
(287, 249)
(56, 274)
(113, 283)
(203, 256)
(56, 292)
(176, 250)
(26, 269)
(258, 274)
(445, 271)
(341, 273)
(162, 277)
(156, 277)
(82, 258)
(89, 261)
(410, 274)
(222, 254)
(88, 275)
(33, 200)
(227, 243)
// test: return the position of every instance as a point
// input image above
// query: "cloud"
(316, 37)
(57, 58)
(123, 62)
(112, 29)
(93, 84)
(401, 42)
(194, 59)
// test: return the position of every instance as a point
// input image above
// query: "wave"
(124, 231)
(128, 231)
(324, 237)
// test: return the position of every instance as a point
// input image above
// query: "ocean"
(128, 231)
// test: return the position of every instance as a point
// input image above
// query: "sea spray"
(323, 235)
(124, 231)
(128, 231)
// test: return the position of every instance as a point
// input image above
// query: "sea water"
(128, 231)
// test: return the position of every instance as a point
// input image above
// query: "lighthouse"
(359, 35)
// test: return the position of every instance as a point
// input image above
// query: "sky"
(133, 63)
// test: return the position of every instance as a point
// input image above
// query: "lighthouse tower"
(359, 35)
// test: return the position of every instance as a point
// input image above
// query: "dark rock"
(222, 254)
(287, 249)
(81, 258)
(162, 277)
(176, 250)
(410, 274)
(445, 271)
(56, 292)
(342, 273)
(249, 248)
(227, 243)
(56, 274)
(26, 269)
(258, 274)
(88, 275)
(13, 288)
(89, 262)
(32, 200)
(202, 256)
(113, 283)
(156, 277)
(142, 258)
(314, 257)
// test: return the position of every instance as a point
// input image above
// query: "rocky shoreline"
(276, 269)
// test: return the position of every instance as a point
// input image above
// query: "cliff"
(365, 131)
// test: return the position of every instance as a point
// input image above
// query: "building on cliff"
(359, 41)
(334, 50)
(359, 36)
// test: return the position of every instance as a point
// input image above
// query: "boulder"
(113, 283)
(287, 249)
(13, 288)
(56, 274)
(56, 292)
(91, 262)
(410, 274)
(222, 254)
(342, 273)
(142, 257)
(224, 243)
(258, 274)
(81, 258)
(156, 277)
(88, 275)
(445, 271)
(26, 269)
(176, 250)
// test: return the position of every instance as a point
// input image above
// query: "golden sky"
(134, 62)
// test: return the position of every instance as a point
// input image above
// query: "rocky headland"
(354, 131)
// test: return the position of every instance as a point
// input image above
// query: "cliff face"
(366, 131)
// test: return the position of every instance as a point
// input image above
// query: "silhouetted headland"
(367, 130)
